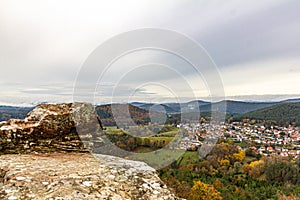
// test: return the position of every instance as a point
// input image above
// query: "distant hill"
(8, 112)
(156, 107)
(138, 115)
(139, 111)
(138, 104)
(292, 100)
(235, 107)
(141, 116)
(191, 106)
(110, 113)
(232, 107)
(281, 114)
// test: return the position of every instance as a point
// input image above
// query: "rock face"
(55, 167)
(51, 127)
(78, 176)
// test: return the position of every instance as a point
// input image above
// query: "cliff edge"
(42, 157)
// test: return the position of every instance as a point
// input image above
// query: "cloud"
(43, 45)
(262, 77)
(262, 34)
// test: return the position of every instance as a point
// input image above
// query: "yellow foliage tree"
(254, 169)
(224, 162)
(203, 191)
(240, 156)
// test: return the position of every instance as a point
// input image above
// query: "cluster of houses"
(283, 141)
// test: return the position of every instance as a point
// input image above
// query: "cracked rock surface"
(78, 176)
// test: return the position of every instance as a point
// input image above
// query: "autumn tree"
(254, 169)
(181, 188)
(203, 191)
(240, 156)
(217, 184)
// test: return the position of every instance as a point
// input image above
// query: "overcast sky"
(43, 45)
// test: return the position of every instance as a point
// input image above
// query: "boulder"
(52, 127)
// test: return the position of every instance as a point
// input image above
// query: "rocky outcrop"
(78, 176)
(54, 138)
(52, 127)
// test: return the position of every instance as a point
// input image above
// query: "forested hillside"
(8, 112)
(282, 114)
